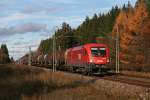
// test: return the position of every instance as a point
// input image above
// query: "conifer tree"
(6, 53)
(148, 5)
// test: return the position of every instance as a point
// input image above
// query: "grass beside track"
(19, 82)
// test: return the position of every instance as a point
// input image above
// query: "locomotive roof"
(94, 44)
(86, 45)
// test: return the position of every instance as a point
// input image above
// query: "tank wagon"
(88, 58)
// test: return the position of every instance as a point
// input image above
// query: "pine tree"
(4, 48)
(129, 5)
(5, 51)
(124, 8)
(12, 60)
(65, 37)
(148, 5)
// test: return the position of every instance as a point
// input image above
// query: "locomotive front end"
(99, 55)
(99, 58)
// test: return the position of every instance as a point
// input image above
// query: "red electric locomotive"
(89, 58)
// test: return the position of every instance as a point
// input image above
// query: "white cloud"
(22, 29)
(13, 17)
(5, 21)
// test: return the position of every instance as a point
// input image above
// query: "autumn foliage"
(134, 29)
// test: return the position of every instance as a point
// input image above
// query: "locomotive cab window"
(102, 51)
(98, 51)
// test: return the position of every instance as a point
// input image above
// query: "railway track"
(138, 81)
(144, 82)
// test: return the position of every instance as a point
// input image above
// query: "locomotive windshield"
(98, 52)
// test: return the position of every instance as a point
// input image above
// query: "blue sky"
(25, 23)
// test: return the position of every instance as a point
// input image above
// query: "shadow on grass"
(14, 91)
(7, 71)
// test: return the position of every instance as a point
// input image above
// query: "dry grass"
(29, 83)
(137, 74)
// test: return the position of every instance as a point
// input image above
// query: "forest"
(99, 26)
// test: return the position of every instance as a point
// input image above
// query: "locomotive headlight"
(91, 60)
(108, 60)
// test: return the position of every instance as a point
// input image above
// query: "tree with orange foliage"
(133, 43)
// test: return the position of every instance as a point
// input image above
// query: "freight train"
(88, 58)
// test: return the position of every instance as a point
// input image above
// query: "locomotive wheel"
(71, 69)
(88, 71)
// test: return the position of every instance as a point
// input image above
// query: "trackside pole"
(54, 53)
(117, 52)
